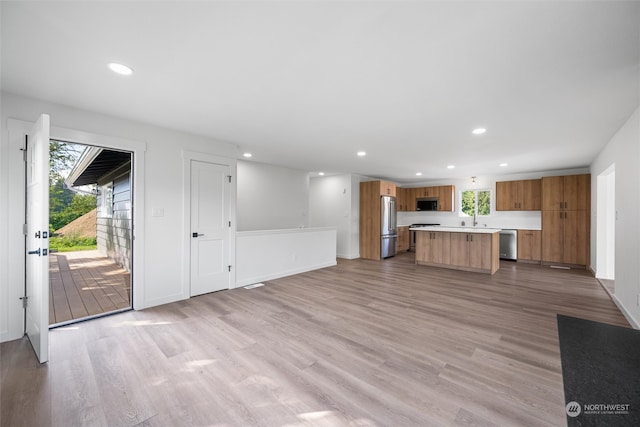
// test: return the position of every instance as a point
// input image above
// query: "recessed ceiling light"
(120, 69)
(418, 173)
(450, 166)
(504, 164)
(247, 155)
(478, 131)
(321, 173)
(362, 153)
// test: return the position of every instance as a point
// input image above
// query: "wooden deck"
(85, 283)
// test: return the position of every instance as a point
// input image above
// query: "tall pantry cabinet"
(370, 193)
(566, 202)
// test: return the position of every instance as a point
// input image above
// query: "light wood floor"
(609, 284)
(85, 283)
(363, 343)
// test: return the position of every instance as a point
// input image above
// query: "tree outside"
(479, 198)
(65, 205)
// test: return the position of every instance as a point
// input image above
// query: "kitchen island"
(474, 249)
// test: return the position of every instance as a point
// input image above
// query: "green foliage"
(80, 205)
(469, 202)
(484, 202)
(62, 156)
(64, 204)
(59, 197)
(72, 243)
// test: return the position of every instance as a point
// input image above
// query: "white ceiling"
(307, 84)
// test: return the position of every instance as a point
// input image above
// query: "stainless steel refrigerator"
(388, 229)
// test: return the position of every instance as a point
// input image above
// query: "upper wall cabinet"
(387, 188)
(524, 195)
(406, 198)
(444, 193)
(571, 192)
(422, 192)
(446, 198)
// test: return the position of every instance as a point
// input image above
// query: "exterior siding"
(114, 222)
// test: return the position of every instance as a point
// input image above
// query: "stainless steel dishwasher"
(509, 244)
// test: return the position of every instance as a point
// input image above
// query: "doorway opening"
(91, 226)
(606, 229)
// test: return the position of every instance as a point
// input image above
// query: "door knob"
(197, 234)
(36, 252)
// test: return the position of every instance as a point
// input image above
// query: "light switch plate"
(157, 212)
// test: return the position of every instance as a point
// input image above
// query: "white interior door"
(37, 239)
(209, 227)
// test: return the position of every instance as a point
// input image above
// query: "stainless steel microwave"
(427, 204)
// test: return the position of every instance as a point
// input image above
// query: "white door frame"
(187, 157)
(606, 224)
(16, 244)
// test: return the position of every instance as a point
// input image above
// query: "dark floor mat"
(601, 373)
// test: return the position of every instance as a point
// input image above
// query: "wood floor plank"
(372, 343)
(85, 283)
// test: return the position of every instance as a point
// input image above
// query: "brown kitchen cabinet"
(477, 252)
(523, 195)
(406, 199)
(566, 204)
(444, 193)
(572, 192)
(565, 237)
(530, 246)
(471, 250)
(370, 193)
(433, 247)
(424, 192)
(403, 243)
(387, 188)
(446, 198)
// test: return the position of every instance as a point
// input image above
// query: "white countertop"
(479, 230)
(516, 227)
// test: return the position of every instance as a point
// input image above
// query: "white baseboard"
(634, 324)
(264, 278)
(348, 256)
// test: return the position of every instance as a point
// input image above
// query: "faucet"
(475, 219)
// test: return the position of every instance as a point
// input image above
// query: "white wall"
(334, 201)
(162, 187)
(270, 254)
(271, 197)
(623, 151)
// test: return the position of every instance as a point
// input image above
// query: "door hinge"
(229, 176)
(25, 228)
(229, 267)
(229, 224)
(24, 301)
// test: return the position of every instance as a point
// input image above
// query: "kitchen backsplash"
(503, 219)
